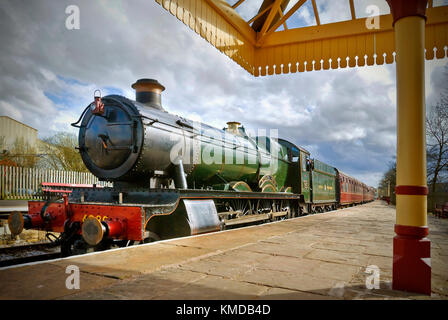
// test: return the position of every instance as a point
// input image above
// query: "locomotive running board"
(217, 194)
(247, 219)
(250, 218)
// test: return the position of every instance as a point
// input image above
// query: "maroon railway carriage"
(351, 190)
(368, 193)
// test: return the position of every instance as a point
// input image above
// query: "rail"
(15, 255)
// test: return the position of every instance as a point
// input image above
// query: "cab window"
(305, 160)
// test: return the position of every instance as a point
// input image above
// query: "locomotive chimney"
(149, 92)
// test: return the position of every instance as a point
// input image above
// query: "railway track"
(15, 255)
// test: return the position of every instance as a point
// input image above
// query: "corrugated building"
(11, 130)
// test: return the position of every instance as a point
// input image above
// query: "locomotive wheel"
(66, 248)
(77, 245)
(74, 246)
(263, 206)
(69, 237)
(240, 207)
(240, 186)
(267, 179)
(106, 244)
(268, 187)
(281, 206)
(295, 210)
(152, 237)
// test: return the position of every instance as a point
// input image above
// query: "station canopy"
(268, 37)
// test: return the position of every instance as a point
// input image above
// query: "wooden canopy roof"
(264, 45)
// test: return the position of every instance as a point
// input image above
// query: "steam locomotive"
(173, 177)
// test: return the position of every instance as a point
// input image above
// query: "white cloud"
(384, 74)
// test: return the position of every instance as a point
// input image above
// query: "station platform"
(322, 256)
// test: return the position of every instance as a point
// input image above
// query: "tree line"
(436, 153)
(54, 152)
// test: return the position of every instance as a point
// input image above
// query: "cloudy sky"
(48, 75)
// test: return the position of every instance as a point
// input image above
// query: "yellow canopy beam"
(270, 17)
(281, 21)
(260, 13)
(316, 13)
(352, 10)
(261, 21)
(237, 3)
(222, 8)
(280, 12)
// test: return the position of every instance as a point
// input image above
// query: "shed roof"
(21, 123)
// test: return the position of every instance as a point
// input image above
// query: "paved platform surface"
(322, 256)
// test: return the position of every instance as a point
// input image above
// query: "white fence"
(25, 183)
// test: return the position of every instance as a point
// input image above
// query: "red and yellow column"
(412, 258)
